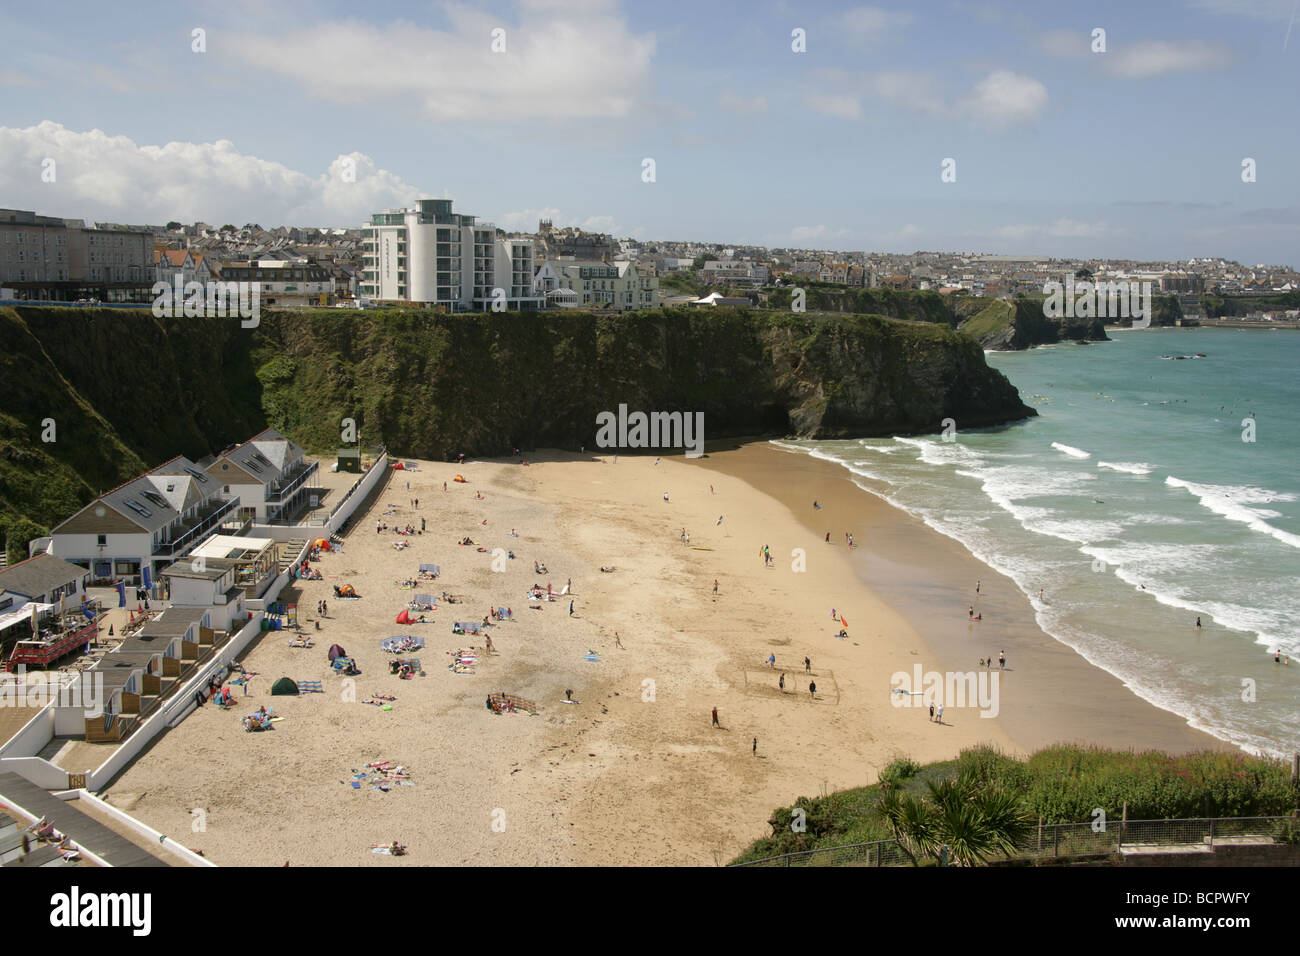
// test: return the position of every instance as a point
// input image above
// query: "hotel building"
(429, 255)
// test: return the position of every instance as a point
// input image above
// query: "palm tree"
(911, 821)
(969, 822)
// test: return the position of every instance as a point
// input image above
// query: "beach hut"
(285, 687)
(336, 650)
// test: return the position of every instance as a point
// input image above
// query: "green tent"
(284, 687)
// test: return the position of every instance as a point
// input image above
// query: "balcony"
(194, 530)
(282, 492)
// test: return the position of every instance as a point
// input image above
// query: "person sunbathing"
(607, 570)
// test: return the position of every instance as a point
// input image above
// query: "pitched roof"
(39, 575)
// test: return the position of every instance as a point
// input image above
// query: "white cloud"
(865, 24)
(1063, 228)
(1159, 57)
(743, 105)
(1066, 44)
(913, 91)
(1276, 10)
(1001, 99)
(805, 233)
(1004, 98)
(844, 107)
(112, 177)
(559, 63)
(14, 78)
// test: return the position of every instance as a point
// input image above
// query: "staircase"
(291, 550)
(4, 555)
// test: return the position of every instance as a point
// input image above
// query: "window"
(101, 540)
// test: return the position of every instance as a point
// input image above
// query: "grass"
(1059, 784)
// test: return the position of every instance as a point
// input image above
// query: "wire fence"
(1070, 840)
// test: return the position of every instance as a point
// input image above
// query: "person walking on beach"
(421, 524)
(1198, 622)
(932, 713)
(444, 486)
(828, 537)
(715, 589)
(970, 612)
(771, 661)
(812, 689)
(417, 502)
(781, 683)
(755, 746)
(977, 587)
(1002, 660)
(939, 713)
(715, 717)
(570, 609)
(807, 665)
(618, 643)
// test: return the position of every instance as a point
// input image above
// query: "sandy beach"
(633, 773)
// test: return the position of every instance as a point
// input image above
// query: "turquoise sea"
(1135, 505)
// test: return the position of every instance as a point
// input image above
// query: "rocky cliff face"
(994, 323)
(1020, 324)
(128, 391)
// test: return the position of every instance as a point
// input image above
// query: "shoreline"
(927, 577)
(632, 773)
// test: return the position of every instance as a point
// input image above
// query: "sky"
(1116, 130)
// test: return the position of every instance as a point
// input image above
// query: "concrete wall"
(144, 829)
(38, 771)
(36, 733)
(177, 703)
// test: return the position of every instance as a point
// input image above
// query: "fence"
(1067, 840)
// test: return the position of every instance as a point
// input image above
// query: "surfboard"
(698, 548)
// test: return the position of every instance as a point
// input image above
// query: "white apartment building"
(584, 282)
(429, 255)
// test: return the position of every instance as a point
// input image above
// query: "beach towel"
(310, 687)
(466, 627)
(402, 643)
(431, 568)
(591, 656)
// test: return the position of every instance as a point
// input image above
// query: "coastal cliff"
(126, 391)
(998, 324)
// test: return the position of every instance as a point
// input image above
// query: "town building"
(270, 476)
(131, 532)
(282, 281)
(428, 255)
(613, 285)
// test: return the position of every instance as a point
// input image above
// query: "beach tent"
(460, 478)
(336, 650)
(398, 466)
(285, 687)
(322, 544)
(404, 617)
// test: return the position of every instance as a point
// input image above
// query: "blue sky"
(1059, 150)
